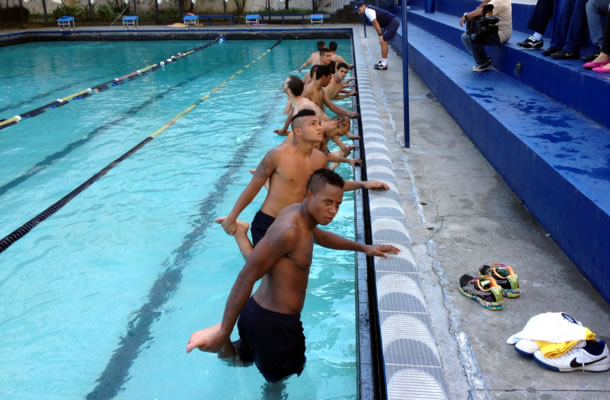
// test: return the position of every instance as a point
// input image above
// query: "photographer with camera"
(490, 24)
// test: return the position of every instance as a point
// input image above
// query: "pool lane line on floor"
(138, 330)
(51, 159)
(17, 234)
(101, 87)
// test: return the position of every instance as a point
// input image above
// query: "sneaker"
(505, 277)
(526, 347)
(531, 44)
(564, 55)
(482, 67)
(550, 51)
(483, 289)
(592, 357)
(381, 66)
(591, 56)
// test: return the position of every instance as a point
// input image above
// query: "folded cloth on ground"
(554, 350)
(551, 327)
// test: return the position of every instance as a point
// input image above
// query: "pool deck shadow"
(459, 215)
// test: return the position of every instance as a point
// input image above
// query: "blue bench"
(269, 16)
(131, 20)
(317, 19)
(552, 156)
(209, 18)
(189, 20)
(66, 22)
(253, 19)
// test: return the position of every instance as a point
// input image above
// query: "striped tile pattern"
(412, 364)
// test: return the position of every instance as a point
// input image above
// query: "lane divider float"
(101, 87)
(20, 232)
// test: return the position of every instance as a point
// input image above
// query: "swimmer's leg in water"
(241, 237)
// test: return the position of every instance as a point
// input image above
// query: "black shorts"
(274, 341)
(259, 226)
(389, 31)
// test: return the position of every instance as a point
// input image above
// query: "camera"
(482, 25)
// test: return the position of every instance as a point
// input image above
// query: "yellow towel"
(554, 350)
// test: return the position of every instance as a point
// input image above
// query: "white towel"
(551, 327)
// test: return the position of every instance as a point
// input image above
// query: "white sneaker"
(592, 357)
(526, 347)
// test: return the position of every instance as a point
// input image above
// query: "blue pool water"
(99, 300)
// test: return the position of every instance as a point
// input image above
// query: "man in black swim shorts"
(287, 167)
(386, 25)
(270, 330)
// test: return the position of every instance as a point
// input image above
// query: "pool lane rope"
(17, 234)
(102, 86)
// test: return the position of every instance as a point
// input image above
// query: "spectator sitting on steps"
(501, 9)
(602, 62)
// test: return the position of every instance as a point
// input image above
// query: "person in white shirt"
(386, 25)
(501, 9)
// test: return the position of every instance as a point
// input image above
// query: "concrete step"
(556, 160)
(563, 80)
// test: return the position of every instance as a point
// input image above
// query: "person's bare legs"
(384, 49)
(241, 237)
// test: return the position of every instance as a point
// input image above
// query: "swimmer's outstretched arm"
(335, 158)
(370, 185)
(284, 130)
(263, 172)
(274, 245)
(309, 61)
(342, 96)
(338, 110)
(345, 149)
(336, 242)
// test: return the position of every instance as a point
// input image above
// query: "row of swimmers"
(303, 193)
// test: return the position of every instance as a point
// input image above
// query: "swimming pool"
(99, 300)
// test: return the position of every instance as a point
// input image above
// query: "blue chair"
(191, 20)
(253, 19)
(131, 20)
(317, 19)
(66, 22)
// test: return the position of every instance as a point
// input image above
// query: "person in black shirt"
(386, 25)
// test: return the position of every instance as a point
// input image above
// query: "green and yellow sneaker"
(505, 277)
(483, 289)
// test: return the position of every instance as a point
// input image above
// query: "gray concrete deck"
(460, 215)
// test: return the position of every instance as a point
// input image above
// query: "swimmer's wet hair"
(323, 51)
(306, 112)
(295, 84)
(320, 45)
(324, 176)
(332, 46)
(319, 71)
(342, 121)
(342, 65)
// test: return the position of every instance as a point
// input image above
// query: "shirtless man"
(314, 91)
(293, 87)
(332, 46)
(338, 126)
(325, 59)
(335, 89)
(270, 329)
(288, 167)
(314, 58)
